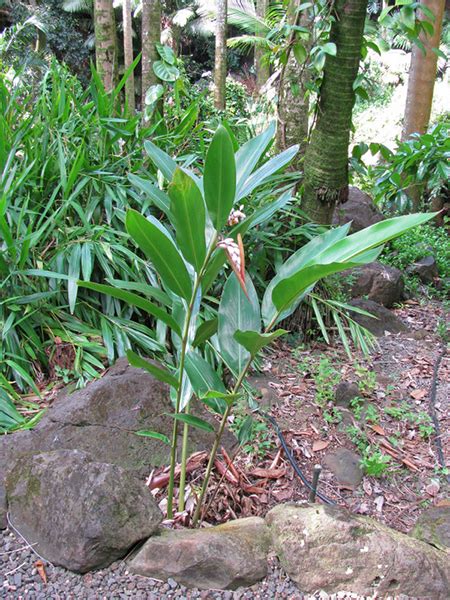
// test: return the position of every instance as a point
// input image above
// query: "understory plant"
(210, 342)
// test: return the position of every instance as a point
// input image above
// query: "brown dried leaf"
(419, 394)
(268, 473)
(41, 570)
(319, 445)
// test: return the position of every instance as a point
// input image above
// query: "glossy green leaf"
(133, 300)
(249, 154)
(188, 212)
(202, 376)
(157, 196)
(162, 160)
(206, 330)
(153, 94)
(237, 312)
(267, 170)
(164, 71)
(193, 421)
(254, 341)
(245, 431)
(161, 374)
(154, 435)
(166, 53)
(219, 179)
(154, 240)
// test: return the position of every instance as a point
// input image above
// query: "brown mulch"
(251, 484)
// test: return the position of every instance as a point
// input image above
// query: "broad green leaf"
(188, 212)
(153, 94)
(194, 421)
(219, 179)
(161, 374)
(133, 300)
(249, 154)
(237, 312)
(203, 378)
(341, 255)
(164, 71)
(154, 240)
(154, 435)
(166, 53)
(266, 170)
(157, 196)
(296, 261)
(254, 341)
(74, 274)
(162, 160)
(206, 330)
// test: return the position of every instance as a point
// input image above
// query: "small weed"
(375, 463)
(333, 416)
(326, 378)
(367, 382)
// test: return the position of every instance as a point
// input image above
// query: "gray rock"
(380, 283)
(263, 385)
(433, 527)
(345, 466)
(79, 513)
(224, 557)
(425, 268)
(384, 320)
(101, 419)
(327, 548)
(359, 209)
(345, 392)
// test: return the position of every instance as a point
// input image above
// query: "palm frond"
(77, 6)
(244, 43)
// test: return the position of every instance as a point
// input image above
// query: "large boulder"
(102, 419)
(382, 320)
(224, 557)
(433, 527)
(77, 512)
(327, 548)
(380, 283)
(359, 209)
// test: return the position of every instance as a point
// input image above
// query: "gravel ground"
(20, 579)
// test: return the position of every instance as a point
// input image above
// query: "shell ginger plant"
(202, 230)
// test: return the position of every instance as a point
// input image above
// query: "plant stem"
(215, 447)
(184, 343)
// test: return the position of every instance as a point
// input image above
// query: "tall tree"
(220, 62)
(262, 67)
(128, 55)
(293, 107)
(105, 42)
(326, 158)
(151, 35)
(422, 72)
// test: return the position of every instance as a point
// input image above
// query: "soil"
(392, 417)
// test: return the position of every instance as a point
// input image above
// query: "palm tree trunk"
(293, 107)
(262, 68)
(105, 42)
(151, 35)
(326, 158)
(422, 73)
(220, 64)
(128, 54)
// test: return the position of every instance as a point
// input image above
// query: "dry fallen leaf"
(41, 570)
(378, 429)
(367, 486)
(418, 394)
(379, 501)
(268, 473)
(320, 445)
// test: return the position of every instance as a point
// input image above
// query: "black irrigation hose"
(432, 409)
(292, 460)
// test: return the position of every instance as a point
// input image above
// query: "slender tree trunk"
(105, 42)
(220, 65)
(293, 107)
(422, 73)
(326, 158)
(262, 67)
(128, 54)
(151, 35)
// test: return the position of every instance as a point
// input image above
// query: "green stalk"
(215, 447)
(184, 340)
